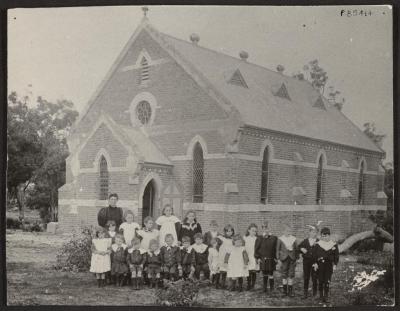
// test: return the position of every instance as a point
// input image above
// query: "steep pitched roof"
(258, 105)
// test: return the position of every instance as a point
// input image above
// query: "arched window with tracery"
(144, 70)
(320, 177)
(264, 176)
(104, 179)
(361, 184)
(198, 173)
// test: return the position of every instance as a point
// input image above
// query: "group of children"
(137, 256)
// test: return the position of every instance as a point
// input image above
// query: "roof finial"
(145, 9)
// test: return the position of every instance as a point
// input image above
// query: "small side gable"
(319, 103)
(283, 92)
(237, 79)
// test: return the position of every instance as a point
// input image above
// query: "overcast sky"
(63, 53)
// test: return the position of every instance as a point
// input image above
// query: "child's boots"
(290, 291)
(326, 293)
(223, 280)
(271, 284)
(265, 280)
(240, 284)
(217, 277)
(233, 285)
(98, 282)
(285, 289)
(139, 283)
(249, 281)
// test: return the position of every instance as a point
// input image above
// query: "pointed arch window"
(361, 184)
(198, 173)
(320, 176)
(264, 176)
(144, 70)
(104, 179)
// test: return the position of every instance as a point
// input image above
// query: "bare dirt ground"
(33, 281)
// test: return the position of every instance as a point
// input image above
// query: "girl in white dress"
(225, 246)
(250, 241)
(129, 228)
(237, 260)
(168, 223)
(100, 262)
(213, 262)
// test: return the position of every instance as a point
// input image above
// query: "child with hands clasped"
(213, 261)
(100, 262)
(119, 267)
(154, 263)
(168, 224)
(171, 259)
(190, 227)
(201, 257)
(188, 261)
(129, 227)
(225, 242)
(136, 258)
(250, 241)
(325, 257)
(307, 247)
(237, 260)
(265, 253)
(286, 252)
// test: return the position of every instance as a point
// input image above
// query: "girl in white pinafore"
(226, 245)
(237, 260)
(250, 241)
(100, 262)
(168, 224)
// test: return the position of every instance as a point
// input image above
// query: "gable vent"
(319, 103)
(237, 79)
(283, 92)
(144, 73)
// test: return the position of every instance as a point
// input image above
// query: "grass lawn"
(33, 281)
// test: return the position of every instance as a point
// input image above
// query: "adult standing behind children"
(112, 212)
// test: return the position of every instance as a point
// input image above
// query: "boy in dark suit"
(306, 248)
(326, 257)
(265, 254)
(286, 252)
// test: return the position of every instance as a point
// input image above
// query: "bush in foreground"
(75, 254)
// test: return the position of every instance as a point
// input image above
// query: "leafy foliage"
(370, 131)
(37, 150)
(75, 255)
(179, 293)
(13, 223)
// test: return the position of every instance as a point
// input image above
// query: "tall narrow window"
(144, 72)
(361, 184)
(320, 175)
(198, 173)
(103, 193)
(264, 176)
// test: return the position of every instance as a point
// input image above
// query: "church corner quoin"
(174, 122)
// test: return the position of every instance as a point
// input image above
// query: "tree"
(370, 131)
(38, 136)
(316, 75)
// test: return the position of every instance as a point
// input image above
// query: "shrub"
(75, 255)
(34, 227)
(369, 297)
(179, 293)
(13, 223)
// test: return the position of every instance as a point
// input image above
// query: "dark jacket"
(282, 252)
(187, 257)
(153, 259)
(135, 257)
(189, 230)
(310, 249)
(321, 255)
(265, 250)
(201, 258)
(170, 255)
(110, 213)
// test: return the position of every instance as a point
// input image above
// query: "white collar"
(199, 248)
(115, 246)
(112, 233)
(141, 250)
(154, 253)
(326, 245)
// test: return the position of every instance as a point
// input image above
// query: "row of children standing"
(180, 250)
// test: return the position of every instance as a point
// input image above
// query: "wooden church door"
(149, 197)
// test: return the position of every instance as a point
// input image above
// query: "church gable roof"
(258, 106)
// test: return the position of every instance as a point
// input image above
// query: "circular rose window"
(143, 112)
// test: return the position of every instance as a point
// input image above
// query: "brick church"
(174, 122)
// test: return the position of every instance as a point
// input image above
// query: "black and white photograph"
(200, 156)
